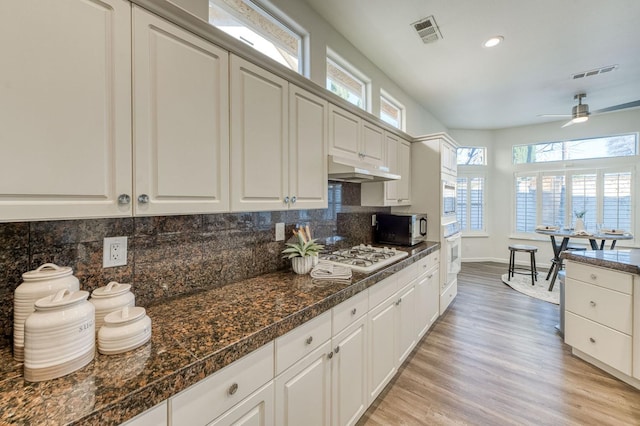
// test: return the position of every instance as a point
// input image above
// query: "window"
(256, 27)
(604, 194)
(581, 149)
(347, 84)
(471, 202)
(472, 156)
(391, 111)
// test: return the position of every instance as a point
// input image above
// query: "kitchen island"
(193, 337)
(602, 310)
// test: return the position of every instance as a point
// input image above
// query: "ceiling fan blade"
(632, 104)
(567, 124)
(554, 115)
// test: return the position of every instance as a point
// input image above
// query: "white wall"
(499, 208)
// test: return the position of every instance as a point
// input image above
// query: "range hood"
(347, 170)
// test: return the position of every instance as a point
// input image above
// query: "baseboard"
(505, 261)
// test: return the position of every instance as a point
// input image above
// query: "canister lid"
(62, 298)
(125, 315)
(47, 271)
(111, 290)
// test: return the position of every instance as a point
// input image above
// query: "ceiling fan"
(580, 113)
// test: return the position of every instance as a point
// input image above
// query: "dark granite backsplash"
(172, 255)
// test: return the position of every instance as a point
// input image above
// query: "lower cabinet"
(427, 299)
(256, 410)
(156, 416)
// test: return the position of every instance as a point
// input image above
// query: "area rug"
(540, 290)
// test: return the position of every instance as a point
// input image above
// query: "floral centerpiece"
(579, 220)
(303, 252)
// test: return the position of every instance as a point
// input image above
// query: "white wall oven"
(452, 250)
(448, 197)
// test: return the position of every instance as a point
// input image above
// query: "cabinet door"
(373, 144)
(349, 390)
(65, 109)
(303, 392)
(308, 135)
(404, 170)
(382, 342)
(344, 133)
(259, 140)
(255, 410)
(181, 126)
(405, 323)
(391, 187)
(427, 301)
(156, 416)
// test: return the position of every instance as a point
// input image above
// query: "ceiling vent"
(427, 29)
(597, 71)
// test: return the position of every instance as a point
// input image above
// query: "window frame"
(338, 62)
(402, 111)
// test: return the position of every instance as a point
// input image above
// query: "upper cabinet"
(181, 126)
(356, 139)
(65, 108)
(394, 192)
(449, 158)
(404, 170)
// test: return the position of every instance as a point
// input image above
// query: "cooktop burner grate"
(364, 258)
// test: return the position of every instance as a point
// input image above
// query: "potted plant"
(303, 252)
(579, 220)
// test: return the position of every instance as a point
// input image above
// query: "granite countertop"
(193, 336)
(620, 260)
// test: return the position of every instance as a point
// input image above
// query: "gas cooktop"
(364, 258)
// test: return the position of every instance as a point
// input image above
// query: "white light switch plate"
(114, 252)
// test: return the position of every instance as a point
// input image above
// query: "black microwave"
(401, 229)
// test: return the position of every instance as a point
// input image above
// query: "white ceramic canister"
(41, 282)
(124, 330)
(59, 337)
(110, 298)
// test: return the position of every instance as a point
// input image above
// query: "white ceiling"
(467, 86)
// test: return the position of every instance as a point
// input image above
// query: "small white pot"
(579, 224)
(302, 265)
(124, 330)
(110, 298)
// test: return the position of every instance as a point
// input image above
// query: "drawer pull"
(592, 340)
(330, 355)
(309, 340)
(337, 349)
(430, 276)
(398, 302)
(353, 311)
(233, 389)
(594, 276)
(593, 304)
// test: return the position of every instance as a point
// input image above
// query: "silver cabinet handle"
(309, 340)
(592, 340)
(330, 355)
(430, 276)
(232, 389)
(592, 303)
(124, 199)
(286, 200)
(594, 276)
(143, 198)
(293, 199)
(353, 311)
(337, 349)
(398, 302)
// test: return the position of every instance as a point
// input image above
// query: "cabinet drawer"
(599, 304)
(302, 340)
(406, 275)
(607, 278)
(349, 311)
(428, 262)
(206, 400)
(383, 290)
(603, 343)
(447, 296)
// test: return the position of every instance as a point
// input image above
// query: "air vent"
(427, 29)
(597, 71)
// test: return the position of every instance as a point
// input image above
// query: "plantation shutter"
(526, 203)
(553, 200)
(617, 201)
(461, 202)
(476, 200)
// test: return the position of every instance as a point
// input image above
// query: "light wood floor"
(494, 358)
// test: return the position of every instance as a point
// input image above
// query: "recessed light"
(493, 41)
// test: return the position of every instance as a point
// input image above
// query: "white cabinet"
(65, 103)
(405, 323)
(382, 343)
(599, 314)
(259, 138)
(308, 136)
(181, 126)
(255, 410)
(156, 416)
(356, 139)
(448, 292)
(205, 401)
(395, 192)
(449, 158)
(427, 293)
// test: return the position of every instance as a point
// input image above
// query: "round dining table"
(567, 234)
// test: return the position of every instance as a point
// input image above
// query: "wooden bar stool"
(513, 248)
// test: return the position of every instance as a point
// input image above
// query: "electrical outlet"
(373, 220)
(280, 231)
(114, 252)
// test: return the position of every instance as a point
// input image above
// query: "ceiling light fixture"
(493, 41)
